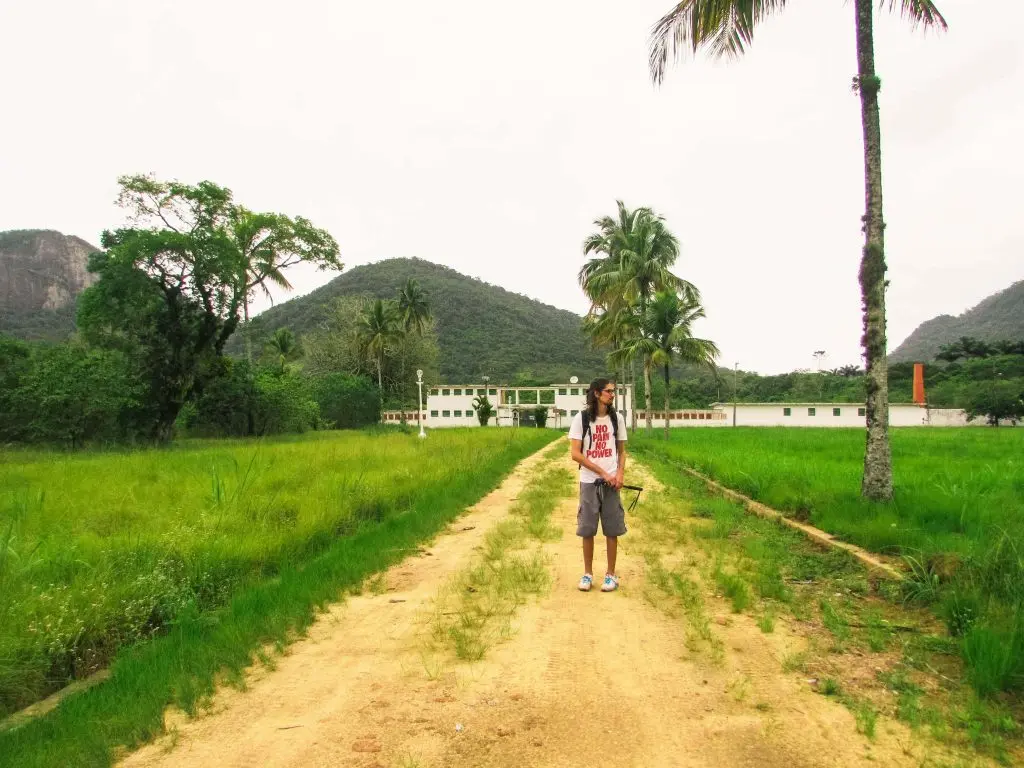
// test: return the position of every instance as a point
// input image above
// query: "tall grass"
(957, 516)
(105, 550)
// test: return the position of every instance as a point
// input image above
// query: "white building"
(452, 405)
(686, 417)
(832, 415)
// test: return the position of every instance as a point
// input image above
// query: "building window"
(433, 414)
(574, 391)
(573, 413)
(446, 414)
(836, 412)
(492, 391)
(445, 392)
(433, 392)
(561, 391)
(469, 414)
(456, 391)
(787, 411)
(812, 411)
(862, 411)
(458, 414)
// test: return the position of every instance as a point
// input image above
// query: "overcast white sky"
(488, 137)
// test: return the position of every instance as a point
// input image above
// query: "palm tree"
(726, 28)
(669, 321)
(611, 328)
(413, 306)
(269, 243)
(379, 328)
(283, 343)
(637, 253)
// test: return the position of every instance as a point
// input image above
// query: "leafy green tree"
(284, 403)
(72, 394)
(347, 402)
(996, 401)
(225, 401)
(15, 361)
(726, 28)
(172, 288)
(484, 409)
(339, 347)
(540, 416)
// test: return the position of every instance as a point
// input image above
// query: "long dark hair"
(593, 393)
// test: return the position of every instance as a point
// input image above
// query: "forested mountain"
(482, 330)
(1000, 317)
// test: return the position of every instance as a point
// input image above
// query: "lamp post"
(419, 402)
(735, 377)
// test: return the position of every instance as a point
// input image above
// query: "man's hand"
(609, 478)
(620, 478)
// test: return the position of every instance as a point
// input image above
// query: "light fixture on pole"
(735, 377)
(419, 402)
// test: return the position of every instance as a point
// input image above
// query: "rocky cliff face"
(41, 274)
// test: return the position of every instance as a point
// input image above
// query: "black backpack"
(586, 429)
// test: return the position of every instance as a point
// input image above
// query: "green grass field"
(100, 551)
(957, 518)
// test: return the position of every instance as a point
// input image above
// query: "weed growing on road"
(475, 610)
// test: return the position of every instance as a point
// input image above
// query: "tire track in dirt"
(586, 679)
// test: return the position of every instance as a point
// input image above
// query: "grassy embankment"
(177, 566)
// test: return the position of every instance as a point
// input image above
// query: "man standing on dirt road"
(602, 465)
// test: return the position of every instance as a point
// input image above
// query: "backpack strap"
(615, 425)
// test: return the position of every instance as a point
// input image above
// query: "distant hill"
(482, 329)
(999, 317)
(42, 272)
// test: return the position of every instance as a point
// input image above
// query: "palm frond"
(724, 27)
(918, 12)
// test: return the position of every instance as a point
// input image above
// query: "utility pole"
(735, 378)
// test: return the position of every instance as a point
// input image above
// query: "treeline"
(148, 361)
(74, 394)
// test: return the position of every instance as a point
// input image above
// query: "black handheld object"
(639, 489)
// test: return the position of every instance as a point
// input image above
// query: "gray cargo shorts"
(600, 501)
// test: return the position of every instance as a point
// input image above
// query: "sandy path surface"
(585, 680)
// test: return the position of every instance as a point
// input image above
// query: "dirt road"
(584, 680)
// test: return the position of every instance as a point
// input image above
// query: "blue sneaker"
(586, 582)
(611, 583)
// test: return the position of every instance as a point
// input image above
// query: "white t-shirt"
(599, 447)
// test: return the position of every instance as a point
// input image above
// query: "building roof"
(802, 405)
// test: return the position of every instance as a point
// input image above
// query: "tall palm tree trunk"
(248, 336)
(877, 482)
(632, 379)
(647, 394)
(666, 401)
(380, 380)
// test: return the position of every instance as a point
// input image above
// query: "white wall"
(686, 417)
(773, 415)
(564, 400)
